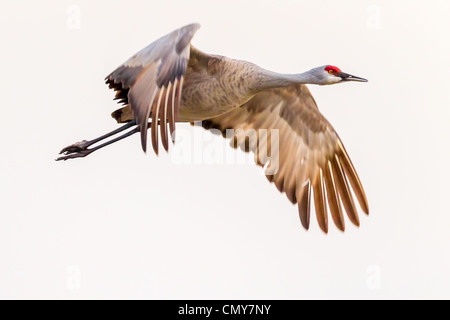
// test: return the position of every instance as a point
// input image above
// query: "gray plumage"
(171, 81)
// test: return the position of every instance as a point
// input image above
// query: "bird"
(172, 81)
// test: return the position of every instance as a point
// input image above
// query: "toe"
(74, 155)
(76, 147)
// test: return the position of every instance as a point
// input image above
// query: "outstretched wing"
(307, 156)
(151, 82)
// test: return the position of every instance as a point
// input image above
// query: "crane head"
(332, 74)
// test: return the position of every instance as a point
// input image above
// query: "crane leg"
(81, 149)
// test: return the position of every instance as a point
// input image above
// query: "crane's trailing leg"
(85, 144)
(81, 149)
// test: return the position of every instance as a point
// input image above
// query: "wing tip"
(305, 223)
(324, 228)
(187, 33)
(194, 26)
(144, 142)
(304, 205)
(365, 207)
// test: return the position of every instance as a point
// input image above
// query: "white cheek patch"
(331, 79)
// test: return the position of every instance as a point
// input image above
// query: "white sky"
(120, 224)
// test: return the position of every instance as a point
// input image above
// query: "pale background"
(120, 224)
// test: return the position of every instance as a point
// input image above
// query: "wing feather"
(171, 111)
(155, 115)
(320, 202)
(163, 117)
(304, 205)
(151, 74)
(356, 184)
(308, 155)
(344, 191)
(333, 200)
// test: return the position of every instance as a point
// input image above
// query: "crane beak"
(348, 77)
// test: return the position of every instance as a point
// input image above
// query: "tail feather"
(123, 115)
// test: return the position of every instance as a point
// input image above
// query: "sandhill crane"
(171, 81)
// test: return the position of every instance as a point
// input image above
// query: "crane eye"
(331, 71)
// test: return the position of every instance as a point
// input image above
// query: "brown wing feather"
(320, 202)
(145, 80)
(333, 199)
(304, 204)
(308, 156)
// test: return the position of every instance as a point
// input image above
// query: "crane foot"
(76, 150)
(76, 147)
(81, 149)
(80, 154)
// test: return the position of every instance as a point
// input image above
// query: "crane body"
(171, 81)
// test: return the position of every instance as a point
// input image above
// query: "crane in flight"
(171, 81)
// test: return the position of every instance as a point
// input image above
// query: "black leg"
(76, 147)
(83, 152)
(81, 149)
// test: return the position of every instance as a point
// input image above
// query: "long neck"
(270, 79)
